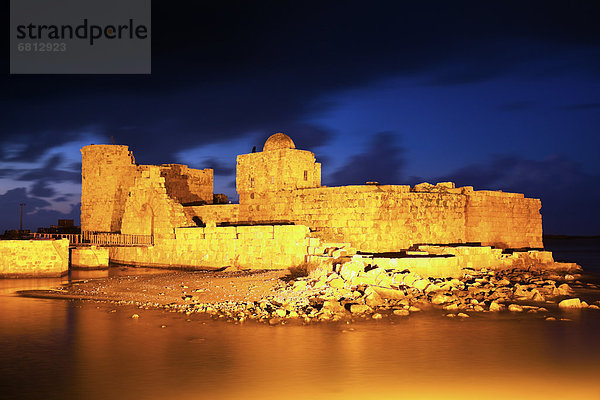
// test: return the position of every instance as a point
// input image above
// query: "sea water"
(61, 349)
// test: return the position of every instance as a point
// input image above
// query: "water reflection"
(58, 349)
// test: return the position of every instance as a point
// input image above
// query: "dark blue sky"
(497, 96)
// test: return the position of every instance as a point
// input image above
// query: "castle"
(285, 217)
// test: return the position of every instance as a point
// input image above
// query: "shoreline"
(353, 291)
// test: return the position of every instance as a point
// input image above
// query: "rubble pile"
(357, 290)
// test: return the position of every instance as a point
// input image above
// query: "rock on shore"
(353, 290)
(357, 290)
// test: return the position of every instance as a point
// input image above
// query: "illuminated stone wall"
(188, 185)
(389, 218)
(110, 175)
(503, 219)
(258, 247)
(34, 258)
(280, 169)
(107, 171)
(92, 257)
(283, 184)
(373, 218)
(149, 210)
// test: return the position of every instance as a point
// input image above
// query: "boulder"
(280, 312)
(321, 268)
(570, 303)
(375, 272)
(515, 308)
(300, 285)
(388, 293)
(360, 309)
(410, 278)
(520, 291)
(384, 280)
(564, 289)
(432, 288)
(439, 298)
(333, 306)
(421, 284)
(351, 269)
(337, 283)
(374, 300)
(362, 279)
(537, 296)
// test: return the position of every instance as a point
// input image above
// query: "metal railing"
(88, 238)
(74, 238)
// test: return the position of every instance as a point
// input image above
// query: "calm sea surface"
(58, 349)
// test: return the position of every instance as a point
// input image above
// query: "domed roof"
(279, 141)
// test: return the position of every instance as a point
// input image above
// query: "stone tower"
(107, 174)
(280, 166)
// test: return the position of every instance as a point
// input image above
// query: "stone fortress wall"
(34, 258)
(279, 186)
(107, 174)
(187, 185)
(118, 195)
(260, 247)
(379, 218)
(388, 218)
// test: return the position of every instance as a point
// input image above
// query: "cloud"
(570, 196)
(36, 212)
(266, 69)
(382, 161)
(41, 189)
(61, 199)
(219, 168)
(49, 172)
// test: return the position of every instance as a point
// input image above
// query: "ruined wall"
(390, 218)
(373, 218)
(107, 172)
(503, 219)
(34, 258)
(258, 247)
(284, 184)
(149, 210)
(188, 185)
(212, 214)
(281, 169)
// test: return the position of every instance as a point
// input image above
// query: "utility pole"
(21, 226)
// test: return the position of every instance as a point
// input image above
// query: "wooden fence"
(106, 239)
